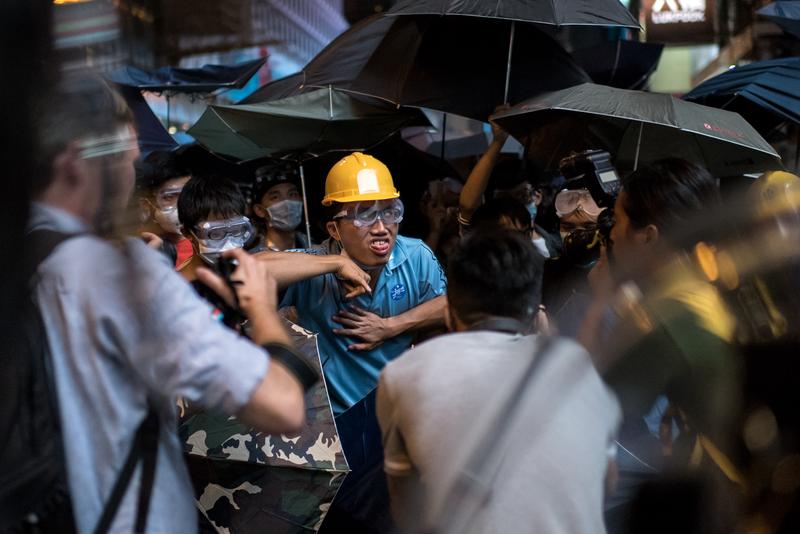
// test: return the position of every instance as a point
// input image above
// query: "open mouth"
(380, 247)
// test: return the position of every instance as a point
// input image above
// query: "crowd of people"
(500, 364)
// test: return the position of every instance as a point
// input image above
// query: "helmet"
(358, 177)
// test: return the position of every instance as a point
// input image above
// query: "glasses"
(570, 201)
(167, 200)
(214, 231)
(365, 214)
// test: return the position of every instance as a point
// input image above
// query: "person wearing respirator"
(277, 201)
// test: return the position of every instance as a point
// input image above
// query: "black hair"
(207, 194)
(159, 167)
(667, 193)
(268, 177)
(507, 174)
(495, 272)
(491, 214)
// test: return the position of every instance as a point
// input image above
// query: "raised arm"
(478, 179)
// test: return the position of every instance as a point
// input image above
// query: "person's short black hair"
(667, 193)
(205, 195)
(491, 214)
(495, 272)
(268, 177)
(159, 167)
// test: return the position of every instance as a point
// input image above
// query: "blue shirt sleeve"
(432, 280)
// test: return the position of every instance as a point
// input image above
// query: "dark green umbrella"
(300, 127)
(637, 127)
(304, 125)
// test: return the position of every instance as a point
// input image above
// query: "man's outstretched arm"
(288, 268)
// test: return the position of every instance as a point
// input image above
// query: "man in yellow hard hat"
(363, 293)
(367, 287)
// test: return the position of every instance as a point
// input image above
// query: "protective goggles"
(167, 200)
(108, 145)
(570, 201)
(365, 214)
(216, 232)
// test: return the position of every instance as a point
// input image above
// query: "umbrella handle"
(305, 203)
(638, 146)
(508, 64)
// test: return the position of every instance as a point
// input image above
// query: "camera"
(592, 170)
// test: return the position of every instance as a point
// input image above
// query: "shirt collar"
(47, 217)
(398, 255)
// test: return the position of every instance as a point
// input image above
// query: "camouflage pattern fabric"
(246, 481)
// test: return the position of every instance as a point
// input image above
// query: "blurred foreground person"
(459, 456)
(665, 345)
(127, 336)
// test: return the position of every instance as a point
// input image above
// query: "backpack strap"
(145, 448)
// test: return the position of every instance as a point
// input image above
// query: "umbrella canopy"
(784, 14)
(205, 79)
(152, 135)
(302, 126)
(561, 13)
(623, 64)
(276, 89)
(430, 62)
(637, 127)
(246, 481)
(772, 86)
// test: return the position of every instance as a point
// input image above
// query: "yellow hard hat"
(358, 177)
(777, 192)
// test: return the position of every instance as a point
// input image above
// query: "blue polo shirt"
(412, 276)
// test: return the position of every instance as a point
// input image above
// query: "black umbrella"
(458, 65)
(637, 127)
(766, 93)
(620, 63)
(784, 14)
(205, 79)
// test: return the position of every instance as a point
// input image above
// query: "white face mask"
(167, 220)
(211, 255)
(285, 215)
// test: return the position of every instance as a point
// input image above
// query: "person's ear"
(259, 211)
(651, 234)
(69, 167)
(448, 319)
(537, 197)
(333, 230)
(145, 209)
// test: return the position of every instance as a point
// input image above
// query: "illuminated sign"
(679, 21)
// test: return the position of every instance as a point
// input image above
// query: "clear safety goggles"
(167, 200)
(365, 214)
(212, 233)
(570, 201)
(107, 145)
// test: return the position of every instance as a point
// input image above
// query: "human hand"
(498, 133)
(152, 240)
(256, 289)
(356, 281)
(370, 328)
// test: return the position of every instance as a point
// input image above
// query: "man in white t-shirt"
(546, 429)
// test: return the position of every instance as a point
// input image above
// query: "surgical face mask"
(285, 215)
(211, 255)
(167, 220)
(532, 209)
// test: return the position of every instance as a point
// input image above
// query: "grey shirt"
(436, 400)
(123, 328)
